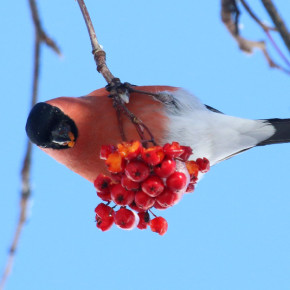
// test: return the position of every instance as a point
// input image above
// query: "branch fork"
(230, 17)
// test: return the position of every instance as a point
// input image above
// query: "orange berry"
(130, 150)
(192, 168)
(115, 163)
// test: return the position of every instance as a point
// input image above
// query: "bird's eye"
(62, 135)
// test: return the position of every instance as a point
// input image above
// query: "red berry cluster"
(144, 178)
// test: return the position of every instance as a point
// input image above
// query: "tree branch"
(254, 16)
(98, 52)
(227, 10)
(267, 30)
(279, 23)
(40, 38)
(43, 37)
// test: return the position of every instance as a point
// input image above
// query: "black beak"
(47, 126)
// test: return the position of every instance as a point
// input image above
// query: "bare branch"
(25, 194)
(120, 122)
(40, 38)
(245, 45)
(230, 8)
(43, 37)
(267, 32)
(279, 23)
(278, 49)
(98, 52)
(254, 16)
(226, 14)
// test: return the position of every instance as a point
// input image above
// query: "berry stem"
(152, 212)
(120, 123)
(141, 128)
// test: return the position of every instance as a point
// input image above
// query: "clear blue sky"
(232, 233)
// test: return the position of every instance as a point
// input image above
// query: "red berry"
(104, 216)
(165, 168)
(168, 198)
(121, 196)
(124, 218)
(203, 164)
(137, 171)
(176, 181)
(190, 187)
(103, 183)
(130, 150)
(129, 184)
(104, 196)
(116, 177)
(143, 200)
(187, 151)
(193, 179)
(104, 224)
(135, 207)
(173, 150)
(144, 220)
(153, 186)
(106, 150)
(158, 206)
(153, 155)
(115, 163)
(102, 209)
(159, 225)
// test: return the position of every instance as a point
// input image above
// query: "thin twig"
(120, 122)
(40, 38)
(244, 44)
(267, 30)
(254, 16)
(25, 195)
(277, 48)
(141, 128)
(40, 34)
(278, 21)
(152, 213)
(98, 52)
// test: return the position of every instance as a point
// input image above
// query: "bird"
(72, 129)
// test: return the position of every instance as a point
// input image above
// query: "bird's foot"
(119, 89)
(120, 93)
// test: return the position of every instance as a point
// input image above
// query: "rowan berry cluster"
(142, 179)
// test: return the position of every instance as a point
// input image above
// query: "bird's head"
(48, 127)
(71, 130)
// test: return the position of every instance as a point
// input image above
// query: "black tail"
(282, 132)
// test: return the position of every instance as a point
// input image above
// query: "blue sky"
(232, 233)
